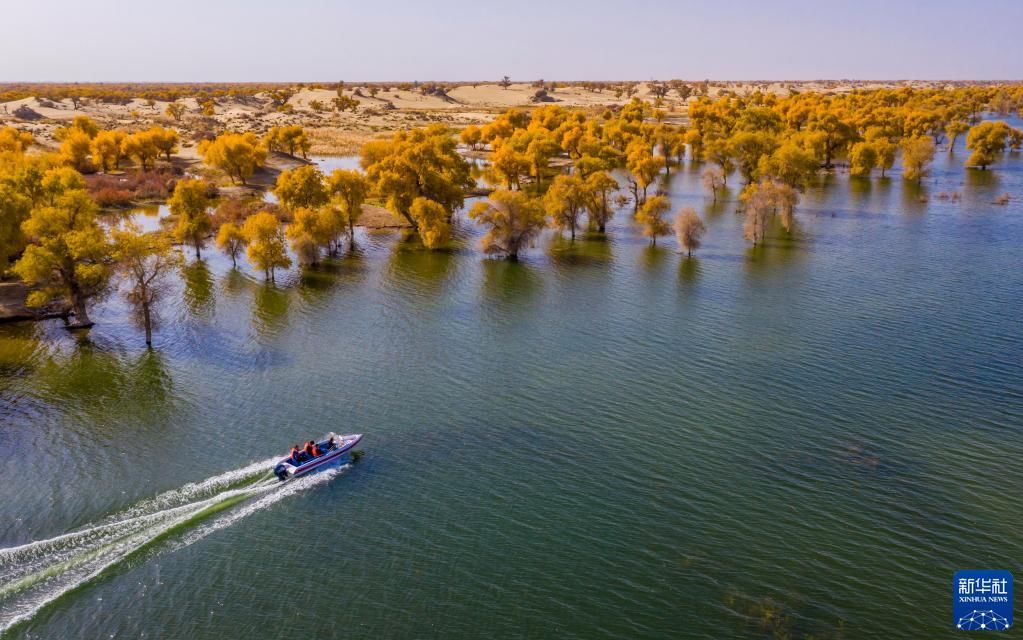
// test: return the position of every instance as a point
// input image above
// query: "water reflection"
(590, 248)
(198, 288)
(723, 203)
(982, 180)
(652, 257)
(860, 190)
(235, 282)
(915, 197)
(89, 377)
(780, 248)
(414, 270)
(689, 270)
(270, 309)
(509, 283)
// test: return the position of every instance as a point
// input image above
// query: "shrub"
(110, 197)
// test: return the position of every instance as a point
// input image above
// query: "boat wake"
(34, 575)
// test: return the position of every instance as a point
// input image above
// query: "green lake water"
(604, 440)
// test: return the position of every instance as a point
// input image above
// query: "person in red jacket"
(311, 449)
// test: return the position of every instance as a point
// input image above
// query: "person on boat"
(295, 451)
(311, 449)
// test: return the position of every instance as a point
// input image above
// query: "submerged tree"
(643, 170)
(955, 129)
(267, 249)
(917, 153)
(987, 140)
(190, 203)
(651, 216)
(565, 201)
(231, 241)
(598, 189)
(513, 219)
(348, 190)
(422, 163)
(144, 259)
(432, 221)
(764, 200)
(713, 181)
(862, 159)
(689, 230)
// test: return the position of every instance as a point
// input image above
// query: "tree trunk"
(197, 256)
(351, 233)
(147, 318)
(79, 307)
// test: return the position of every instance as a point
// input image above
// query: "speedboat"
(333, 447)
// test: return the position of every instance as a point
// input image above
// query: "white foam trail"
(289, 488)
(35, 574)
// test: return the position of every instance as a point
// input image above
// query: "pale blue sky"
(326, 40)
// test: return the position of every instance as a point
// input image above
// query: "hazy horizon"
(450, 40)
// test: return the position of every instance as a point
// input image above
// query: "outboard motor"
(283, 471)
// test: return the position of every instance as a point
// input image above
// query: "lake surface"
(604, 440)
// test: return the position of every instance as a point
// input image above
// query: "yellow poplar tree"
(432, 221)
(513, 220)
(68, 254)
(145, 260)
(301, 187)
(917, 153)
(231, 241)
(190, 203)
(267, 249)
(348, 189)
(107, 149)
(565, 201)
(236, 154)
(651, 216)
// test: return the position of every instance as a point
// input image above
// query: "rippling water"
(604, 440)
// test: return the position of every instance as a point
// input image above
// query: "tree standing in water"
(987, 140)
(714, 181)
(651, 216)
(190, 203)
(349, 190)
(598, 189)
(267, 248)
(514, 220)
(231, 241)
(144, 259)
(917, 153)
(689, 230)
(565, 201)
